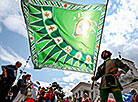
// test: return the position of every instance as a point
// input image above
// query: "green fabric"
(121, 65)
(63, 35)
(101, 72)
(104, 93)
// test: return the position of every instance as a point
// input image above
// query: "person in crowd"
(50, 93)
(7, 79)
(39, 88)
(135, 95)
(86, 98)
(96, 99)
(42, 90)
(80, 99)
(110, 74)
(29, 89)
(24, 83)
(70, 99)
(35, 86)
(74, 99)
(42, 97)
(15, 89)
(90, 100)
(67, 99)
(54, 97)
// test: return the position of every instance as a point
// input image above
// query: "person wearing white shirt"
(35, 89)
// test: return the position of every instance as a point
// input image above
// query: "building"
(82, 87)
(128, 81)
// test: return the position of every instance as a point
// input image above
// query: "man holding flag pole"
(110, 74)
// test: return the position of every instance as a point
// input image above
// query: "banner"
(64, 35)
(127, 97)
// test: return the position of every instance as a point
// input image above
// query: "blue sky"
(120, 35)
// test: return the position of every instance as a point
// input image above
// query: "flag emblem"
(82, 27)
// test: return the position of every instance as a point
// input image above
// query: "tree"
(56, 86)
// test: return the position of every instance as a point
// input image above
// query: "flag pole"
(99, 44)
(21, 71)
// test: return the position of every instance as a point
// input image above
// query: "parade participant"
(54, 97)
(50, 93)
(80, 99)
(86, 99)
(15, 89)
(135, 95)
(7, 79)
(42, 97)
(35, 89)
(67, 99)
(23, 89)
(110, 74)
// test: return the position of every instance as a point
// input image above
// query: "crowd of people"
(26, 90)
(83, 99)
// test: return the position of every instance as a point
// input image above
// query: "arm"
(4, 71)
(122, 66)
(99, 73)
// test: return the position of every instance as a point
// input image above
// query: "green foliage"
(58, 88)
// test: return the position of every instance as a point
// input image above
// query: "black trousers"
(5, 85)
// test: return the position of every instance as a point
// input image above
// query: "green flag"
(64, 35)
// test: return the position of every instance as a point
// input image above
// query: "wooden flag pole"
(99, 45)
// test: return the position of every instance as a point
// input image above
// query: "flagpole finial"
(119, 53)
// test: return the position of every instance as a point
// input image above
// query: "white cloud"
(76, 76)
(73, 78)
(114, 6)
(10, 16)
(121, 32)
(44, 84)
(109, 5)
(8, 7)
(12, 57)
(67, 90)
(56, 79)
(16, 24)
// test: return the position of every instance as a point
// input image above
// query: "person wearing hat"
(109, 73)
(23, 89)
(86, 99)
